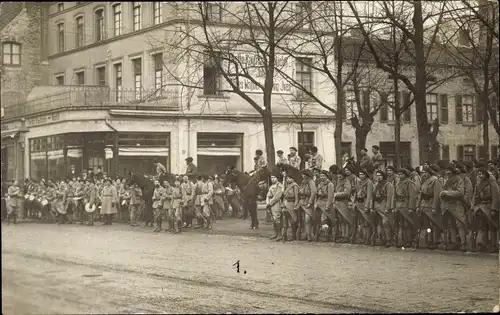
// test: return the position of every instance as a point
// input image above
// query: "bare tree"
(475, 49)
(408, 20)
(239, 56)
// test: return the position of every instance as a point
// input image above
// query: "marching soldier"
(167, 205)
(208, 192)
(135, 202)
(453, 209)
(158, 200)
(383, 194)
(91, 195)
(405, 202)
(485, 204)
(428, 207)
(198, 201)
(13, 202)
(290, 206)
(294, 159)
(307, 195)
(363, 206)
(414, 177)
(175, 212)
(79, 207)
(109, 201)
(188, 197)
(341, 202)
(324, 206)
(273, 204)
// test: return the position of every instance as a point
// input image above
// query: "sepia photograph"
(238, 157)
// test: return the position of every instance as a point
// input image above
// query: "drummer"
(60, 202)
(79, 206)
(50, 196)
(91, 200)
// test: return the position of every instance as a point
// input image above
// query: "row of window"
(100, 77)
(99, 23)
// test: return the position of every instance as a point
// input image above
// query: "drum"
(45, 202)
(124, 202)
(26, 197)
(32, 197)
(90, 207)
(59, 205)
(156, 204)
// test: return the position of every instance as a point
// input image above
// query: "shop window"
(144, 139)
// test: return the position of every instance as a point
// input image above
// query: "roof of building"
(8, 11)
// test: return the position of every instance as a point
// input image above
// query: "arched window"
(11, 53)
(99, 24)
(79, 31)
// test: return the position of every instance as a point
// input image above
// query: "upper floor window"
(60, 80)
(99, 24)
(118, 82)
(80, 77)
(11, 54)
(137, 64)
(117, 19)
(60, 37)
(468, 108)
(157, 6)
(432, 106)
(60, 6)
(80, 31)
(137, 15)
(212, 78)
(351, 107)
(303, 76)
(213, 12)
(158, 59)
(101, 75)
(302, 11)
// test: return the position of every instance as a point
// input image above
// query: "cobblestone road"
(110, 269)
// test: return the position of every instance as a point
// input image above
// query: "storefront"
(115, 153)
(12, 151)
(217, 150)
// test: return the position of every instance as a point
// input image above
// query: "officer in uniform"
(383, 192)
(273, 204)
(290, 207)
(158, 200)
(428, 207)
(198, 201)
(175, 213)
(405, 203)
(345, 215)
(281, 159)
(191, 169)
(188, 197)
(167, 205)
(324, 206)
(307, 196)
(207, 200)
(364, 203)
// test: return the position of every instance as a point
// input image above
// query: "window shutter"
(366, 101)
(479, 108)
(443, 98)
(407, 112)
(460, 152)
(458, 108)
(384, 107)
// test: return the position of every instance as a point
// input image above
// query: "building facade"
(107, 102)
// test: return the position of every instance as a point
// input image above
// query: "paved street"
(101, 269)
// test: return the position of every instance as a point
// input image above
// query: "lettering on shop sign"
(40, 120)
(256, 69)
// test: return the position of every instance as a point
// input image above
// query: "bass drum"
(59, 205)
(156, 204)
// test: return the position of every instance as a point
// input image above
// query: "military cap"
(364, 171)
(293, 148)
(189, 159)
(308, 173)
(258, 152)
(429, 170)
(405, 171)
(390, 167)
(326, 173)
(484, 171)
(279, 151)
(435, 168)
(381, 173)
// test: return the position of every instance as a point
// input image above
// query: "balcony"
(95, 97)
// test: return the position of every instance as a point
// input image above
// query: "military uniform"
(324, 208)
(109, 203)
(282, 160)
(383, 193)
(167, 206)
(363, 202)
(485, 208)
(453, 208)
(273, 204)
(207, 202)
(295, 161)
(175, 212)
(344, 214)
(261, 162)
(13, 202)
(135, 203)
(316, 161)
(219, 203)
(428, 205)
(405, 202)
(307, 196)
(188, 196)
(198, 202)
(290, 206)
(158, 200)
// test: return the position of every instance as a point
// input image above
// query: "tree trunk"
(339, 121)
(486, 130)
(267, 120)
(397, 143)
(423, 127)
(361, 135)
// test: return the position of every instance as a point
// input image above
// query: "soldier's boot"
(275, 228)
(14, 219)
(178, 226)
(454, 241)
(209, 224)
(329, 234)
(463, 238)
(199, 224)
(308, 229)
(481, 240)
(279, 228)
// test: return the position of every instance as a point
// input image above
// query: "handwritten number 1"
(237, 264)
